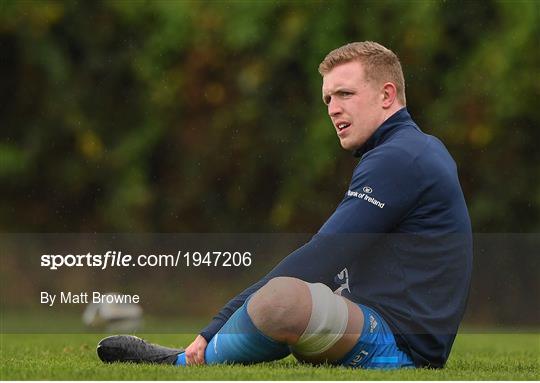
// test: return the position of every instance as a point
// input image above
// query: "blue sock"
(239, 341)
(181, 359)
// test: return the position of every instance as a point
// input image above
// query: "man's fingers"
(191, 355)
(188, 357)
(198, 355)
(201, 354)
(194, 356)
(195, 351)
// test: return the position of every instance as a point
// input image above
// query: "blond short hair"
(380, 64)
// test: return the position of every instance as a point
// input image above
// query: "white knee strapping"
(327, 324)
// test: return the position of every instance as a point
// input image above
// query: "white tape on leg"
(327, 324)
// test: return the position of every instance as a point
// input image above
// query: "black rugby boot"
(128, 348)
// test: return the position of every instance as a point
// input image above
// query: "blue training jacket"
(403, 234)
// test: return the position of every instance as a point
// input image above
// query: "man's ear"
(389, 95)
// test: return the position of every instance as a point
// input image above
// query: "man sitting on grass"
(400, 241)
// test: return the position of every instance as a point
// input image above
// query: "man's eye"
(345, 94)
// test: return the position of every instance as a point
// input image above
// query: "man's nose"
(334, 108)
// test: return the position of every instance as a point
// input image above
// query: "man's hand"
(195, 351)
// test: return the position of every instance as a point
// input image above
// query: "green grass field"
(73, 357)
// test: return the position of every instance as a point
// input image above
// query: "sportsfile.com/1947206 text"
(118, 259)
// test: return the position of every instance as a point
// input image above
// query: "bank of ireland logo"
(365, 195)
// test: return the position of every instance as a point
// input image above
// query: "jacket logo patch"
(367, 190)
(366, 197)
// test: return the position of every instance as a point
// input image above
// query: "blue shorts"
(376, 347)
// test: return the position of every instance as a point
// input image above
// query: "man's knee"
(281, 309)
(329, 320)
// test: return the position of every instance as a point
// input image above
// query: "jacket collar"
(398, 120)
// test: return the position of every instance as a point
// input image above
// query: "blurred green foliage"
(206, 115)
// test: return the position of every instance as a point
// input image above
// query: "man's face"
(354, 105)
